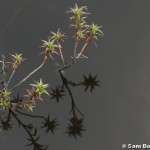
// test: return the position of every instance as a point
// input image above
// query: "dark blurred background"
(117, 112)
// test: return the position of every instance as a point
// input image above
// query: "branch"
(28, 76)
(65, 82)
(29, 115)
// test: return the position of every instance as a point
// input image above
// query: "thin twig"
(75, 49)
(3, 72)
(28, 76)
(29, 115)
(10, 78)
(60, 51)
(74, 84)
(71, 96)
(83, 48)
(20, 123)
(74, 58)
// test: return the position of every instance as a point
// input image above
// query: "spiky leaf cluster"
(58, 36)
(49, 46)
(5, 125)
(5, 99)
(50, 125)
(78, 16)
(53, 44)
(75, 127)
(35, 93)
(5, 104)
(57, 93)
(90, 82)
(93, 30)
(83, 30)
(17, 101)
(16, 60)
(40, 88)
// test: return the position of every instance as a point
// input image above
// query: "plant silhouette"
(75, 125)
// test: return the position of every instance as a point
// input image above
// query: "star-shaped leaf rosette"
(90, 82)
(57, 93)
(50, 125)
(75, 127)
(6, 125)
(16, 60)
(35, 93)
